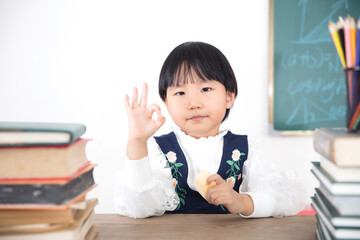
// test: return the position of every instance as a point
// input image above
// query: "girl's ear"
(230, 98)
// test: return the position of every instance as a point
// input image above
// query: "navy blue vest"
(235, 151)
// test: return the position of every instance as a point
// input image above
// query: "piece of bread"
(201, 183)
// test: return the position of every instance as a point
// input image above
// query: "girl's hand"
(141, 124)
(223, 193)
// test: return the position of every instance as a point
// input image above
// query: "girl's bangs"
(184, 73)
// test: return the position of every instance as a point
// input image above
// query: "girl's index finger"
(143, 98)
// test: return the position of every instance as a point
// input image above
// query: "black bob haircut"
(208, 62)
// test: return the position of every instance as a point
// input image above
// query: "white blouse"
(143, 188)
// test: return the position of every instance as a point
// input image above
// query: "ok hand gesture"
(141, 124)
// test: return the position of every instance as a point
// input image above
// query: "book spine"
(323, 143)
(77, 133)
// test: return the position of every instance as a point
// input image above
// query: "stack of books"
(337, 199)
(44, 178)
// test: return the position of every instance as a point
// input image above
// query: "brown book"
(82, 227)
(43, 161)
(11, 217)
(92, 232)
(338, 145)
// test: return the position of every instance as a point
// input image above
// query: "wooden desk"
(205, 226)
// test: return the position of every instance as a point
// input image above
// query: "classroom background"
(73, 61)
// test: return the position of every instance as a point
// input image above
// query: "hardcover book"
(332, 215)
(333, 232)
(340, 174)
(334, 187)
(83, 227)
(345, 205)
(338, 145)
(46, 194)
(42, 161)
(39, 133)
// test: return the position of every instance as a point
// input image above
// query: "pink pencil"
(347, 35)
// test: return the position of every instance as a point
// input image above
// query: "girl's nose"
(195, 103)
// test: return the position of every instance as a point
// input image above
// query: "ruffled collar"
(187, 138)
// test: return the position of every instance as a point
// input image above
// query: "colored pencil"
(340, 28)
(336, 39)
(356, 82)
(357, 47)
(354, 118)
(353, 39)
(347, 37)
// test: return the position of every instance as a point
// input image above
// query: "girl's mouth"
(197, 118)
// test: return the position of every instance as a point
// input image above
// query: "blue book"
(39, 133)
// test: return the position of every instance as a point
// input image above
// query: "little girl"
(198, 88)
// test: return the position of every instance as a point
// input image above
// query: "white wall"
(73, 61)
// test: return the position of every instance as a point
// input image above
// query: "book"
(49, 180)
(39, 133)
(333, 232)
(54, 194)
(42, 161)
(322, 232)
(82, 228)
(319, 232)
(347, 205)
(332, 215)
(340, 174)
(81, 197)
(341, 188)
(26, 217)
(92, 232)
(339, 145)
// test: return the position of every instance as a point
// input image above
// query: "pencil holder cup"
(353, 98)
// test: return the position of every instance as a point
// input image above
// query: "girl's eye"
(179, 93)
(207, 89)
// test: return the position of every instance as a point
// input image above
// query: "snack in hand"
(201, 183)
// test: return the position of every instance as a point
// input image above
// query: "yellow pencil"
(335, 36)
(353, 38)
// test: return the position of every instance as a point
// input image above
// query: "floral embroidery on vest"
(174, 166)
(234, 171)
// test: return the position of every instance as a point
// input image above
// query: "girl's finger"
(215, 178)
(154, 107)
(127, 103)
(135, 98)
(144, 93)
(160, 120)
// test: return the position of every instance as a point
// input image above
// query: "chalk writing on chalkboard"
(309, 84)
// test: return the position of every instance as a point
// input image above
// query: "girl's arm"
(143, 188)
(274, 191)
(141, 124)
(265, 191)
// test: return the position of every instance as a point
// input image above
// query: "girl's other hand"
(223, 193)
(141, 124)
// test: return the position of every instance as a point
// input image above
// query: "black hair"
(208, 62)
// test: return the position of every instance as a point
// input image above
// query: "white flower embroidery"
(171, 156)
(236, 155)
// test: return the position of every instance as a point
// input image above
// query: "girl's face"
(198, 107)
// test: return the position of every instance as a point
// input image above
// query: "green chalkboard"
(308, 81)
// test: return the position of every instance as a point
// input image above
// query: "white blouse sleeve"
(274, 192)
(143, 188)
